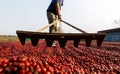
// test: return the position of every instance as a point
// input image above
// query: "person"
(54, 13)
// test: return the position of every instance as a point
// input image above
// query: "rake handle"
(63, 22)
(47, 26)
(74, 27)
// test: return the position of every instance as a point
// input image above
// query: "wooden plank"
(60, 34)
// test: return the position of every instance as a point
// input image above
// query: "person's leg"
(51, 18)
(53, 28)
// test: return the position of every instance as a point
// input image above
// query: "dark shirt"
(52, 7)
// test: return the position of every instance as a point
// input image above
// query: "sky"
(30, 15)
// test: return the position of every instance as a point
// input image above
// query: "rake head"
(62, 38)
